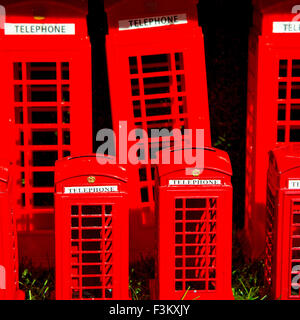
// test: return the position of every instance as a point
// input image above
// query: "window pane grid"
(195, 244)
(42, 129)
(288, 121)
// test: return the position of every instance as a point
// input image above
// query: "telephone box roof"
(49, 9)
(275, 6)
(287, 157)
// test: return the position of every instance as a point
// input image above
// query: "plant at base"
(37, 283)
(185, 294)
(135, 287)
(248, 282)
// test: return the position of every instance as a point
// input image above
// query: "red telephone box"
(9, 270)
(45, 83)
(282, 270)
(273, 102)
(91, 203)
(194, 214)
(157, 77)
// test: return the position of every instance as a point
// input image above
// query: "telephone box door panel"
(43, 121)
(290, 270)
(91, 256)
(195, 248)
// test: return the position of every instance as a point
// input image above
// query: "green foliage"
(185, 294)
(246, 285)
(247, 294)
(141, 272)
(222, 142)
(38, 284)
(136, 287)
(247, 277)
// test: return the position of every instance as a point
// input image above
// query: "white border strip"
(294, 184)
(90, 189)
(152, 22)
(39, 29)
(286, 27)
(195, 182)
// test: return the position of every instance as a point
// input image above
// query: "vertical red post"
(9, 268)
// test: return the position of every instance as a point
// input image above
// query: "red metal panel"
(273, 109)
(163, 76)
(195, 231)
(91, 231)
(283, 269)
(48, 114)
(9, 277)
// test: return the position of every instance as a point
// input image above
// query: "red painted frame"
(283, 234)
(35, 224)
(75, 260)
(169, 40)
(8, 239)
(207, 271)
(267, 51)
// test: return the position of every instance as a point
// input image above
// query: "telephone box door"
(92, 252)
(198, 263)
(289, 274)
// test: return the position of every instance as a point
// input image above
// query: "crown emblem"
(91, 179)
(196, 173)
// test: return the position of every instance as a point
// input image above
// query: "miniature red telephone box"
(157, 77)
(283, 228)
(194, 213)
(8, 241)
(91, 227)
(45, 82)
(273, 102)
